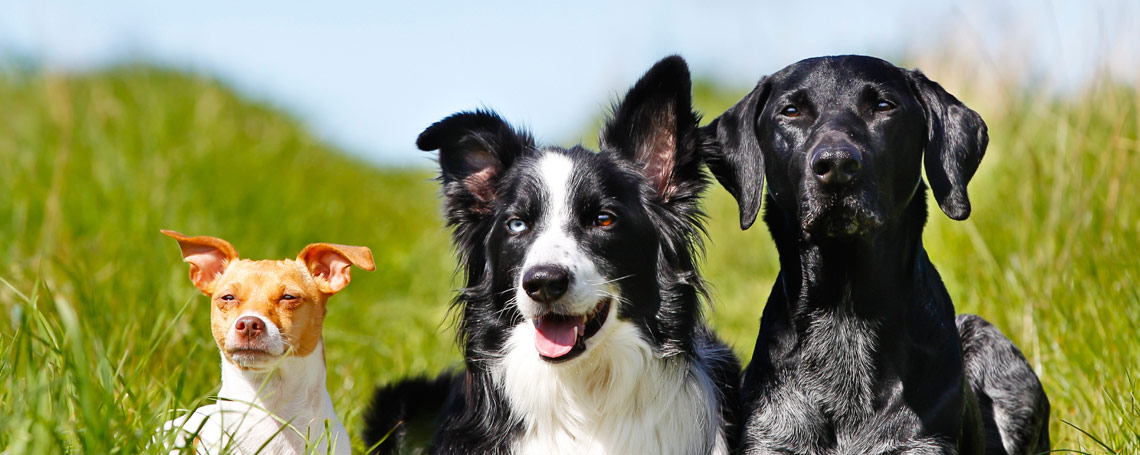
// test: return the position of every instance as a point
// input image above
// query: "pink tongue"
(556, 334)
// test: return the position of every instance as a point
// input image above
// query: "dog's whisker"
(615, 280)
(511, 303)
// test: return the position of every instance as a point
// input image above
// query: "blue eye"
(516, 225)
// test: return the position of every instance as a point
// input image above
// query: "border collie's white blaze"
(554, 246)
(561, 324)
(581, 321)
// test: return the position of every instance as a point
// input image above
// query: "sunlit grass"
(103, 337)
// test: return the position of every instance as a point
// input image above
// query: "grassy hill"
(102, 336)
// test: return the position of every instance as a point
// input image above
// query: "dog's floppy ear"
(654, 127)
(956, 141)
(208, 258)
(474, 150)
(736, 159)
(330, 264)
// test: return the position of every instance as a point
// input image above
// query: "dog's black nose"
(249, 327)
(836, 165)
(546, 283)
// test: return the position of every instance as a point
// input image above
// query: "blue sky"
(369, 76)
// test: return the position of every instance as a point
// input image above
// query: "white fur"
(254, 405)
(617, 398)
(554, 246)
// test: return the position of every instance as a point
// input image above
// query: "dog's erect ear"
(956, 141)
(474, 150)
(208, 258)
(655, 127)
(330, 264)
(736, 160)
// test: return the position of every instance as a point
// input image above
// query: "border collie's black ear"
(737, 160)
(474, 150)
(655, 127)
(956, 141)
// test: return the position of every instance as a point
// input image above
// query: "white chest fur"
(619, 398)
(284, 413)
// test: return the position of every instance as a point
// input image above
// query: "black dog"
(581, 320)
(859, 351)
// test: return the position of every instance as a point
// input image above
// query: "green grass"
(102, 336)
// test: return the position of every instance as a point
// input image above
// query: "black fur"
(858, 350)
(648, 173)
(399, 410)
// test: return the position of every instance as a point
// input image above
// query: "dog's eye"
(605, 219)
(288, 297)
(790, 111)
(228, 297)
(516, 225)
(884, 106)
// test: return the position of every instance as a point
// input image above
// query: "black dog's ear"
(736, 159)
(956, 141)
(474, 150)
(654, 126)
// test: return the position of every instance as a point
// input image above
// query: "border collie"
(580, 322)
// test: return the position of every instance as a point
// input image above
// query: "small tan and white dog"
(267, 318)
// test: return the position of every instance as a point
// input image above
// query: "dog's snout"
(546, 283)
(249, 327)
(836, 165)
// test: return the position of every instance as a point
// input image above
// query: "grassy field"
(102, 336)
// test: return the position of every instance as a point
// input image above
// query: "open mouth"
(562, 337)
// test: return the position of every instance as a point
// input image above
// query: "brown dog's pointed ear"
(330, 263)
(956, 141)
(736, 159)
(208, 258)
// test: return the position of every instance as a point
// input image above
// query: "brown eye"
(228, 297)
(288, 297)
(605, 219)
(790, 111)
(884, 106)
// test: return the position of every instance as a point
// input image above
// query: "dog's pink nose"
(249, 327)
